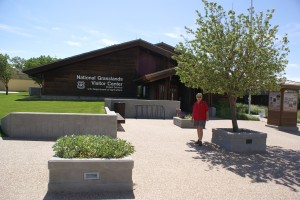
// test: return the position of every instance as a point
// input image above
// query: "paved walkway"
(169, 166)
(8, 92)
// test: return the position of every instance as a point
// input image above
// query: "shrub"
(254, 109)
(184, 115)
(244, 116)
(223, 111)
(91, 146)
(188, 116)
(241, 108)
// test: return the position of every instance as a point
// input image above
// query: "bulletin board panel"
(283, 107)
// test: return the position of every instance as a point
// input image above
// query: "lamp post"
(249, 97)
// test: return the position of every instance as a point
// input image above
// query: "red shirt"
(199, 110)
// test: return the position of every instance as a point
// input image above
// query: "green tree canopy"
(6, 71)
(229, 54)
(36, 62)
(39, 61)
(17, 62)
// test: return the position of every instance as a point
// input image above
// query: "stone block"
(245, 141)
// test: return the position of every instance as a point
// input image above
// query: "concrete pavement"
(168, 165)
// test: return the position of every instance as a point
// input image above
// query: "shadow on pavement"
(294, 132)
(94, 196)
(277, 165)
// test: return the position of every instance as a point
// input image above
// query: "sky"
(64, 28)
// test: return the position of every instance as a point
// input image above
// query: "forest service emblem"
(80, 85)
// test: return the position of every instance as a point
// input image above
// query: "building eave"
(148, 78)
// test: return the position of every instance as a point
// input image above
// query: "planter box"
(245, 141)
(183, 123)
(90, 175)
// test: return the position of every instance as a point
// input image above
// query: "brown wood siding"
(289, 119)
(64, 80)
(274, 117)
(150, 62)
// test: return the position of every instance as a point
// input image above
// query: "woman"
(200, 116)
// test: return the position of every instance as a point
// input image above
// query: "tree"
(230, 54)
(18, 62)
(6, 71)
(35, 62)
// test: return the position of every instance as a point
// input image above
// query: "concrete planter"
(90, 175)
(183, 123)
(245, 141)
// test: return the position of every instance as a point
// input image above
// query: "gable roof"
(100, 52)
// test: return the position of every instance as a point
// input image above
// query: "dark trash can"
(119, 107)
(35, 91)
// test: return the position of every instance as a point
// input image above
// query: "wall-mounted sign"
(290, 101)
(100, 83)
(274, 101)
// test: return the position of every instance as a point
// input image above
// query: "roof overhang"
(290, 85)
(148, 78)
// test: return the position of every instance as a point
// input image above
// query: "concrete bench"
(120, 119)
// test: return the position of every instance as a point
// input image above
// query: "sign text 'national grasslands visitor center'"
(100, 83)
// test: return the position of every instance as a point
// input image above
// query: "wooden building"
(134, 69)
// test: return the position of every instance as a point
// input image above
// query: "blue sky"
(63, 28)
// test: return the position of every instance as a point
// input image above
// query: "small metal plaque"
(248, 141)
(91, 176)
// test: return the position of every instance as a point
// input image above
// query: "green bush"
(223, 111)
(244, 116)
(242, 108)
(91, 146)
(254, 109)
(188, 116)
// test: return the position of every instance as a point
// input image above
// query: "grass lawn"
(20, 102)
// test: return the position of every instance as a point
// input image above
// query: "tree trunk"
(6, 89)
(232, 102)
